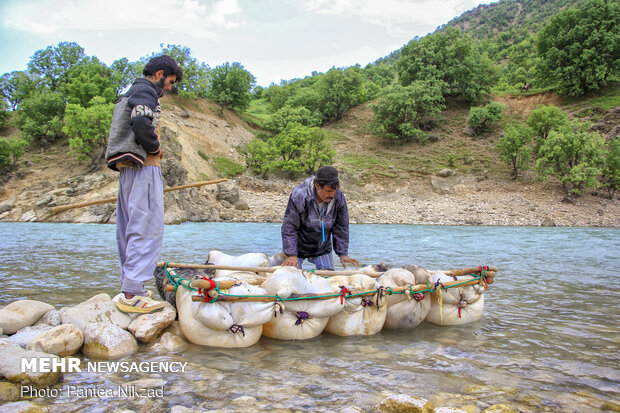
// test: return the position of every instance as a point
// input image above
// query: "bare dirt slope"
(384, 182)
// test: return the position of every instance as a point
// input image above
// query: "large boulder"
(22, 313)
(98, 309)
(51, 318)
(108, 341)
(64, 340)
(11, 368)
(147, 327)
(24, 336)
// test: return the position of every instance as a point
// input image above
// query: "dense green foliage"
(39, 117)
(580, 48)
(402, 113)
(543, 120)
(230, 85)
(513, 147)
(611, 170)
(482, 117)
(572, 155)
(295, 149)
(11, 150)
(88, 129)
(451, 60)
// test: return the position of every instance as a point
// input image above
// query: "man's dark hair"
(327, 175)
(165, 63)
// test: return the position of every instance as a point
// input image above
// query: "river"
(549, 338)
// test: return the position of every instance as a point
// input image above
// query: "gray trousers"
(139, 225)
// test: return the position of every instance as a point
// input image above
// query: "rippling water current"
(549, 339)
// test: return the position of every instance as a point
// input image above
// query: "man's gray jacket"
(302, 233)
(135, 118)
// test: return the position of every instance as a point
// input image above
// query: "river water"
(549, 338)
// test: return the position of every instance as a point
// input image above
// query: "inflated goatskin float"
(224, 324)
(405, 310)
(360, 315)
(299, 319)
(457, 305)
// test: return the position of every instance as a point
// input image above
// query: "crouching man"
(317, 213)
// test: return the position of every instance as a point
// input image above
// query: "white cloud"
(196, 18)
(394, 15)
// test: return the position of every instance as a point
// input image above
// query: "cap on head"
(327, 175)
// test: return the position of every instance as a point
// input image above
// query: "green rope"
(178, 280)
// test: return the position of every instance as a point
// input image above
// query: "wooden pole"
(413, 288)
(325, 273)
(62, 208)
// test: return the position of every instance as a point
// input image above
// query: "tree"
(611, 171)
(231, 85)
(543, 120)
(339, 90)
(88, 79)
(124, 73)
(513, 147)
(16, 86)
(481, 118)
(278, 121)
(196, 74)
(88, 129)
(296, 149)
(580, 48)
(5, 116)
(403, 112)
(53, 64)
(573, 156)
(451, 60)
(40, 117)
(11, 150)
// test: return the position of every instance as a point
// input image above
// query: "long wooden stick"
(325, 273)
(61, 208)
(413, 288)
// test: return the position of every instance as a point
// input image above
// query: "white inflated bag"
(224, 324)
(456, 305)
(299, 319)
(361, 315)
(405, 310)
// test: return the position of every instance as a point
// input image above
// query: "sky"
(273, 39)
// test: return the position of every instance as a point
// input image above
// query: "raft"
(221, 304)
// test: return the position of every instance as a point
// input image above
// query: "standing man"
(316, 213)
(134, 150)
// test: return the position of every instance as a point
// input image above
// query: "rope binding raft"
(211, 291)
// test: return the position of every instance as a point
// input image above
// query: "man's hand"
(344, 259)
(291, 261)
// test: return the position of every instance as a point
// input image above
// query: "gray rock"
(64, 340)
(228, 191)
(23, 407)
(107, 341)
(169, 343)
(444, 173)
(98, 309)
(11, 368)
(24, 336)
(147, 327)
(51, 318)
(22, 313)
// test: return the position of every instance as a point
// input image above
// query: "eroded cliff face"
(190, 138)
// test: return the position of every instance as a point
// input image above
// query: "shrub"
(513, 147)
(573, 156)
(227, 168)
(481, 118)
(11, 150)
(611, 171)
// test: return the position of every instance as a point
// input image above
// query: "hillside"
(384, 183)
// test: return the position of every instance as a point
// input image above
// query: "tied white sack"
(224, 324)
(252, 259)
(459, 305)
(361, 316)
(405, 310)
(300, 319)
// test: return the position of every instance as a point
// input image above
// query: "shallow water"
(549, 339)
